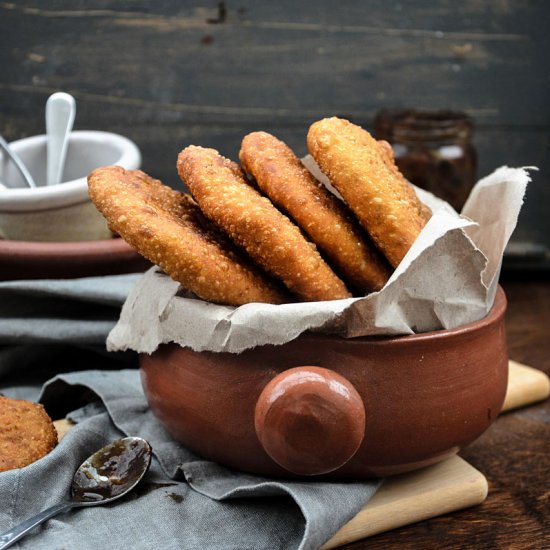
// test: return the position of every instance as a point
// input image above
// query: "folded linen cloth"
(53, 326)
(184, 501)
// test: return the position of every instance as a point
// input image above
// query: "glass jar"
(433, 150)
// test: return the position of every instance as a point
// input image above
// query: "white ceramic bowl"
(60, 212)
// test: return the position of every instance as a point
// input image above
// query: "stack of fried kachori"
(268, 231)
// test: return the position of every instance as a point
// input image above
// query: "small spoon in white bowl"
(14, 157)
(60, 114)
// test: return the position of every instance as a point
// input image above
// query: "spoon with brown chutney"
(105, 476)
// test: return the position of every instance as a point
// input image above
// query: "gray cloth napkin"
(184, 501)
(53, 326)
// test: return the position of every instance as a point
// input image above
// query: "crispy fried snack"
(168, 228)
(270, 238)
(26, 433)
(324, 218)
(387, 153)
(382, 201)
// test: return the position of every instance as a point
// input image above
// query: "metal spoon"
(60, 114)
(105, 476)
(18, 162)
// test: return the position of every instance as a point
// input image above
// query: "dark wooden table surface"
(514, 455)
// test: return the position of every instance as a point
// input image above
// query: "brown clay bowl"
(327, 406)
(68, 260)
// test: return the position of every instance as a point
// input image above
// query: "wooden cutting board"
(439, 489)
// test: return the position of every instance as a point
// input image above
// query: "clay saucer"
(68, 260)
(327, 406)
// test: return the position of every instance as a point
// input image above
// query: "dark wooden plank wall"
(169, 73)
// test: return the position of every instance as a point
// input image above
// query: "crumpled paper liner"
(447, 279)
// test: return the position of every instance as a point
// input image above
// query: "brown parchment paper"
(447, 279)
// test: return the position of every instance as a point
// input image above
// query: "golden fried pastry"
(270, 238)
(168, 229)
(27, 433)
(357, 167)
(387, 153)
(323, 217)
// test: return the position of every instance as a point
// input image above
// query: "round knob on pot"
(310, 420)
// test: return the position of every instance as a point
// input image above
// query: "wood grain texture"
(445, 487)
(526, 385)
(168, 73)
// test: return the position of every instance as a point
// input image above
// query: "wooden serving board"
(439, 489)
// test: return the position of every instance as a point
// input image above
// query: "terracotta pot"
(68, 260)
(323, 405)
